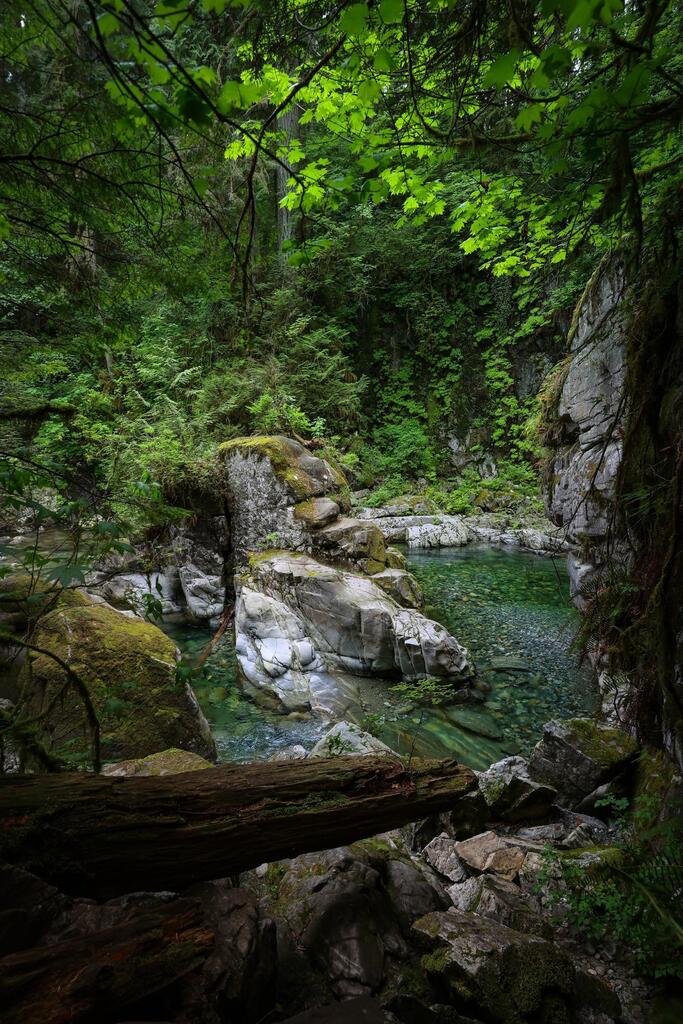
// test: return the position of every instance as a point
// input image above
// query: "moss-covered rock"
(165, 762)
(579, 754)
(23, 596)
(129, 669)
(352, 542)
(305, 475)
(508, 977)
(279, 493)
(395, 558)
(316, 512)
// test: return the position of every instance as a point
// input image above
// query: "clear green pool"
(510, 608)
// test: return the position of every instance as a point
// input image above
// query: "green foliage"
(425, 692)
(630, 892)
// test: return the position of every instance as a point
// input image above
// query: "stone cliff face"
(614, 429)
(586, 438)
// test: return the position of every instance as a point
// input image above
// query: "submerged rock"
(129, 669)
(300, 623)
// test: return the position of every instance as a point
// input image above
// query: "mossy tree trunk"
(102, 836)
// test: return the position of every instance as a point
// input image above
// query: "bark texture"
(92, 977)
(102, 836)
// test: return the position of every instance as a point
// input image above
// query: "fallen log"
(103, 836)
(90, 978)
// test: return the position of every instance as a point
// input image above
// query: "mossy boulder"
(395, 558)
(316, 512)
(579, 754)
(129, 668)
(508, 977)
(354, 543)
(278, 492)
(23, 597)
(304, 475)
(165, 762)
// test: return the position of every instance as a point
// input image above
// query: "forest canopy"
(345, 221)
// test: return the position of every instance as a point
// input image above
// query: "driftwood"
(90, 978)
(102, 836)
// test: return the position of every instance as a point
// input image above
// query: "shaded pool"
(510, 608)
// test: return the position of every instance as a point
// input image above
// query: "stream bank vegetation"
(365, 226)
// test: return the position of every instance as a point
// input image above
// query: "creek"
(510, 608)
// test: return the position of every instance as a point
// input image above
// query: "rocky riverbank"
(460, 918)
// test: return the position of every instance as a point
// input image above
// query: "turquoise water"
(509, 608)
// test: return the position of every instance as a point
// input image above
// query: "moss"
(655, 777)
(395, 559)
(411, 981)
(306, 511)
(377, 551)
(436, 962)
(22, 592)
(603, 745)
(283, 458)
(257, 557)
(173, 761)
(129, 669)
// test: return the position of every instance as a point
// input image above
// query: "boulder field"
(448, 920)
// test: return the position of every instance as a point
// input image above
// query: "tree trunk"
(94, 976)
(288, 124)
(103, 836)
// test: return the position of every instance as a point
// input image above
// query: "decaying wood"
(93, 977)
(103, 836)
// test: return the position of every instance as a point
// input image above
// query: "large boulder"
(491, 970)
(237, 981)
(441, 532)
(511, 794)
(343, 918)
(298, 622)
(200, 549)
(269, 483)
(129, 668)
(577, 755)
(352, 543)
